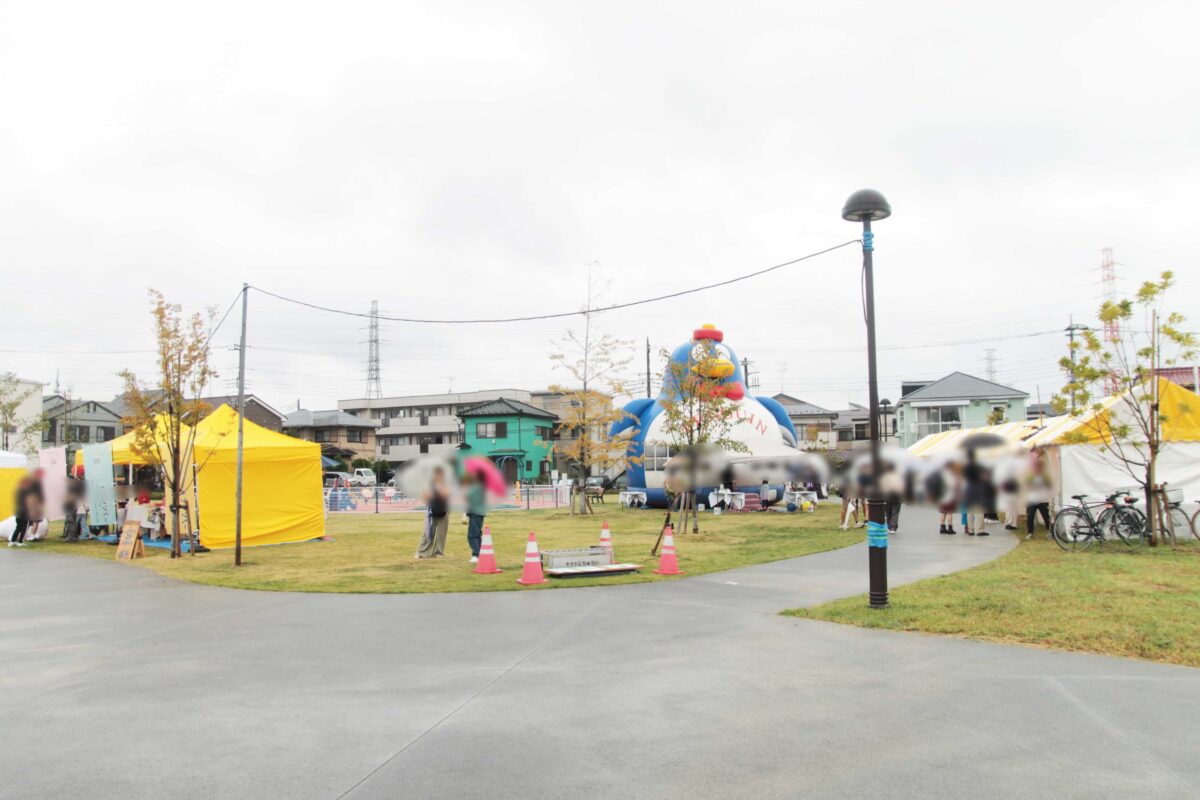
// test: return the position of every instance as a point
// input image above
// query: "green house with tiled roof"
(515, 435)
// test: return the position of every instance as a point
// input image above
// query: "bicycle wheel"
(1181, 522)
(1127, 525)
(1194, 524)
(1072, 531)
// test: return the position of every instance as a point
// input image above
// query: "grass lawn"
(374, 553)
(1138, 602)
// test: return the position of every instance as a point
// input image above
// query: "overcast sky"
(462, 160)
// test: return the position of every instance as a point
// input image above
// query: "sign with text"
(130, 546)
(101, 494)
(53, 463)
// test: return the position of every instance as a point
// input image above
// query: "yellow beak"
(716, 368)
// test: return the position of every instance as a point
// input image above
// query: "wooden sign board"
(130, 546)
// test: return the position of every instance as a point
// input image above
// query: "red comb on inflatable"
(708, 332)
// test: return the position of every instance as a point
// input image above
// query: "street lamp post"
(864, 206)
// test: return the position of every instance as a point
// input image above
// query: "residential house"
(957, 401)
(852, 426)
(413, 425)
(341, 435)
(19, 433)
(517, 436)
(257, 410)
(1187, 376)
(73, 423)
(814, 425)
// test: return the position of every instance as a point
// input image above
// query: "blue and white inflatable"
(762, 427)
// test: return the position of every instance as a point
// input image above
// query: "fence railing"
(391, 500)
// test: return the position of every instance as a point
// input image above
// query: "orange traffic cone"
(531, 574)
(667, 563)
(606, 542)
(487, 556)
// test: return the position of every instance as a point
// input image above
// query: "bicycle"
(1179, 520)
(1076, 527)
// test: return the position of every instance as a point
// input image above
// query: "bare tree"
(595, 361)
(163, 412)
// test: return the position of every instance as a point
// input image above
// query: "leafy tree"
(997, 416)
(696, 414)
(595, 361)
(1129, 427)
(164, 410)
(17, 431)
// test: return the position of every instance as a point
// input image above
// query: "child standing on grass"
(437, 517)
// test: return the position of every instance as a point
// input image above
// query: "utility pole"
(648, 366)
(241, 409)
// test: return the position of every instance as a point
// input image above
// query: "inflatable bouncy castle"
(768, 438)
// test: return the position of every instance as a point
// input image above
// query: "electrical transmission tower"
(1112, 328)
(989, 362)
(374, 385)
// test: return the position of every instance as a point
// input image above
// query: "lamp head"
(866, 204)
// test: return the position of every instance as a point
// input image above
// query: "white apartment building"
(419, 424)
(20, 431)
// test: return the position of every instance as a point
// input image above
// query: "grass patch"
(374, 553)
(1138, 602)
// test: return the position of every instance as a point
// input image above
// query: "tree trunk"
(1151, 504)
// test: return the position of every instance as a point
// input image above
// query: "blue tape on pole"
(868, 240)
(877, 535)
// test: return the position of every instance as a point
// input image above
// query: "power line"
(580, 312)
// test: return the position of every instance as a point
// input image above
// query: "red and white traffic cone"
(667, 563)
(487, 556)
(531, 573)
(606, 542)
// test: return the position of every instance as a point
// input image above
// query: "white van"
(364, 477)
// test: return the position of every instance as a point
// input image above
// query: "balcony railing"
(926, 428)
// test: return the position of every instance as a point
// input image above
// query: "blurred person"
(74, 511)
(947, 496)
(437, 517)
(27, 507)
(1039, 489)
(975, 493)
(764, 495)
(892, 484)
(477, 509)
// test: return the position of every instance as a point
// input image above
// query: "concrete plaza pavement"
(118, 683)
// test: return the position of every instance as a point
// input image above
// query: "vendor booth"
(282, 497)
(1080, 446)
(13, 467)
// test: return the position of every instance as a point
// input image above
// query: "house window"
(543, 432)
(491, 430)
(80, 433)
(936, 419)
(528, 467)
(357, 435)
(655, 456)
(105, 433)
(385, 449)
(861, 431)
(48, 432)
(323, 435)
(846, 435)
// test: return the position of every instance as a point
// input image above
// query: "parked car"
(342, 478)
(364, 477)
(598, 482)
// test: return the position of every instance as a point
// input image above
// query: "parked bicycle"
(1179, 521)
(1076, 527)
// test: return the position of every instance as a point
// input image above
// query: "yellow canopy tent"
(124, 448)
(1179, 408)
(282, 497)
(1089, 463)
(946, 442)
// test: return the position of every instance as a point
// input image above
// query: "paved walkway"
(117, 683)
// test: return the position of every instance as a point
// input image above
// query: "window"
(105, 433)
(385, 449)
(655, 456)
(323, 435)
(80, 433)
(936, 419)
(357, 435)
(48, 433)
(846, 435)
(491, 430)
(528, 467)
(861, 431)
(544, 432)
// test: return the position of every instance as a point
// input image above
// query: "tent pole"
(237, 551)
